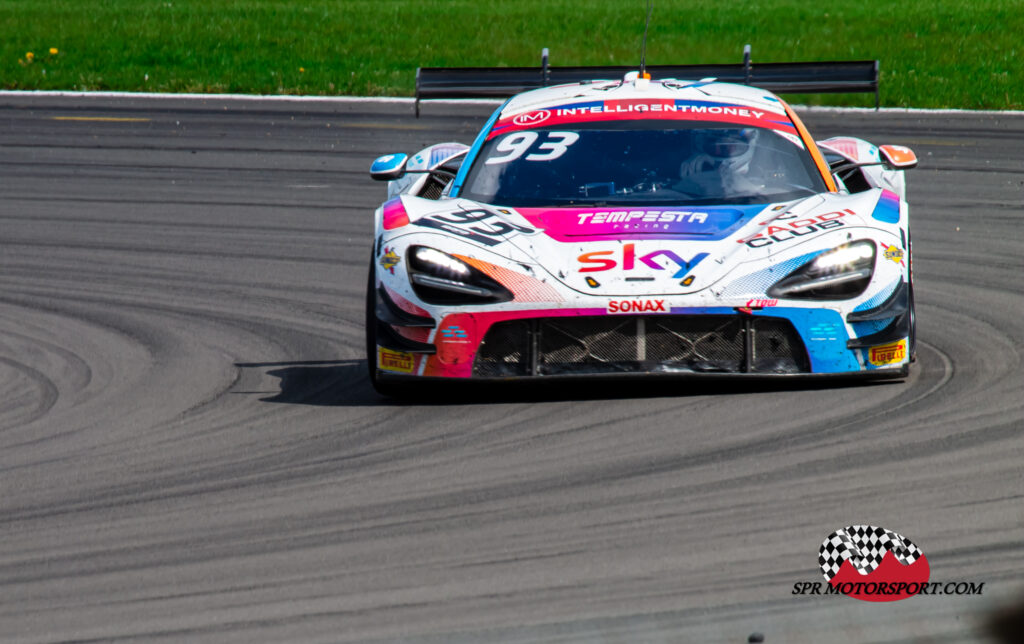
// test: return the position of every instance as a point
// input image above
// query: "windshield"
(619, 163)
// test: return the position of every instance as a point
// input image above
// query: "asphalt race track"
(190, 450)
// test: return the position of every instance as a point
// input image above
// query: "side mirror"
(388, 167)
(898, 157)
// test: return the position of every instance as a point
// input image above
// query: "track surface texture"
(190, 450)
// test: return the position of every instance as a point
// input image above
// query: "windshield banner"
(618, 110)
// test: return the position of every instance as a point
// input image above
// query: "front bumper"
(580, 345)
(550, 343)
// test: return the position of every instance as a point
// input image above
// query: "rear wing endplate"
(780, 78)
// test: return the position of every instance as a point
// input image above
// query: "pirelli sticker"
(888, 353)
(388, 360)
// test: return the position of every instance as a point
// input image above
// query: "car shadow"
(344, 383)
(318, 382)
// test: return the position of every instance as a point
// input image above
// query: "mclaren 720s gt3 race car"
(638, 226)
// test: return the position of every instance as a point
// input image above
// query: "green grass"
(948, 53)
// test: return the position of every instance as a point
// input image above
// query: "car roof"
(633, 100)
(706, 90)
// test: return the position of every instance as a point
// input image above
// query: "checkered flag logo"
(865, 546)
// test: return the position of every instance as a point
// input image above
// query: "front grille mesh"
(600, 341)
(505, 350)
(777, 347)
(704, 343)
(613, 344)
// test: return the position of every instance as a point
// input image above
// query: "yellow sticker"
(894, 254)
(888, 353)
(389, 360)
(389, 260)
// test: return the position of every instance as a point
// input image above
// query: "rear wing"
(780, 78)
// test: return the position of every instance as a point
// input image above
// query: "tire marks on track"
(190, 449)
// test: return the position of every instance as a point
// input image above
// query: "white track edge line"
(452, 101)
(243, 97)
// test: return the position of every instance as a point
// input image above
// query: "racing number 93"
(515, 145)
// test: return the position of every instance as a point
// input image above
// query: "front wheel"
(913, 328)
(382, 387)
(912, 341)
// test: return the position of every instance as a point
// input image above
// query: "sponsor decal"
(623, 109)
(389, 260)
(780, 230)
(532, 118)
(637, 306)
(570, 224)
(874, 564)
(641, 216)
(824, 332)
(454, 333)
(604, 260)
(626, 107)
(888, 353)
(756, 303)
(479, 225)
(399, 361)
(893, 254)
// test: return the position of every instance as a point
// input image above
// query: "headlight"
(439, 278)
(838, 274)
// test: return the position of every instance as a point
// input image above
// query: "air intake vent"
(432, 188)
(636, 344)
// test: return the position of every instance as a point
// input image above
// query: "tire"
(912, 342)
(382, 387)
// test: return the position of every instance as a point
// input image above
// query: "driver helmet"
(725, 150)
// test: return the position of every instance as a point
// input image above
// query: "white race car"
(637, 226)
